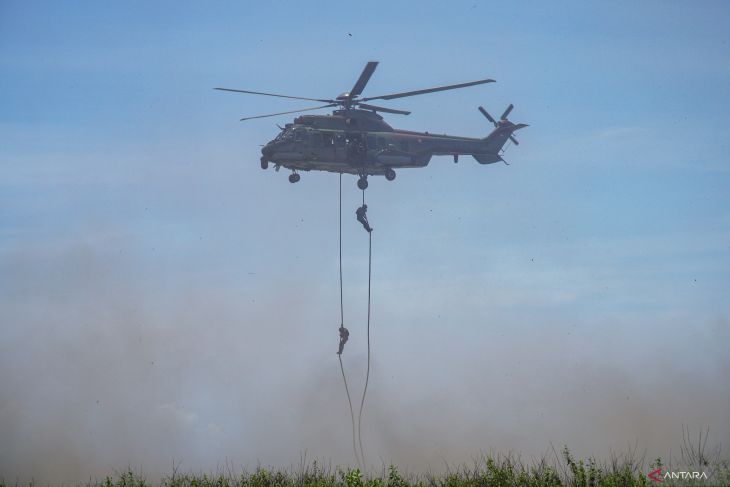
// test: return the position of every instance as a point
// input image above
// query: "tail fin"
(494, 142)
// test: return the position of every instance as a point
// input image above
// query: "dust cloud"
(103, 367)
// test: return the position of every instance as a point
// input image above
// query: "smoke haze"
(102, 370)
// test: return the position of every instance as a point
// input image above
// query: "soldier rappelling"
(362, 217)
(344, 335)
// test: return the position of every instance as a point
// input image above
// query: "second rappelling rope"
(344, 333)
(367, 374)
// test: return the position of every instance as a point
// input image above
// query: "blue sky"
(583, 282)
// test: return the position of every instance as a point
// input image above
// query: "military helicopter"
(355, 139)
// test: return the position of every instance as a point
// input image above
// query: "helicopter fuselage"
(360, 142)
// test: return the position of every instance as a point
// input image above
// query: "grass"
(490, 471)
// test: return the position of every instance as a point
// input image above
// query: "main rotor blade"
(486, 114)
(382, 109)
(427, 90)
(291, 111)
(506, 112)
(274, 94)
(367, 72)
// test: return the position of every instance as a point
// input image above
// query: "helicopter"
(355, 139)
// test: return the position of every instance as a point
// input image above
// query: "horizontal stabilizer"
(487, 158)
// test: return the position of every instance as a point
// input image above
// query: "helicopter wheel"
(264, 163)
(389, 174)
(362, 183)
(294, 177)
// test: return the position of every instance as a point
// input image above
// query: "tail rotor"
(507, 112)
(503, 121)
(489, 117)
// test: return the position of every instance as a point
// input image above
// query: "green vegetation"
(490, 471)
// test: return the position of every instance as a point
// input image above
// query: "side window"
(339, 140)
(316, 139)
(371, 141)
(404, 144)
(381, 142)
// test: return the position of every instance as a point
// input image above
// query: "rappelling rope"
(342, 323)
(342, 308)
(352, 415)
(367, 374)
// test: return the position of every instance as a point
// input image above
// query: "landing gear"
(389, 174)
(294, 177)
(362, 183)
(264, 163)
